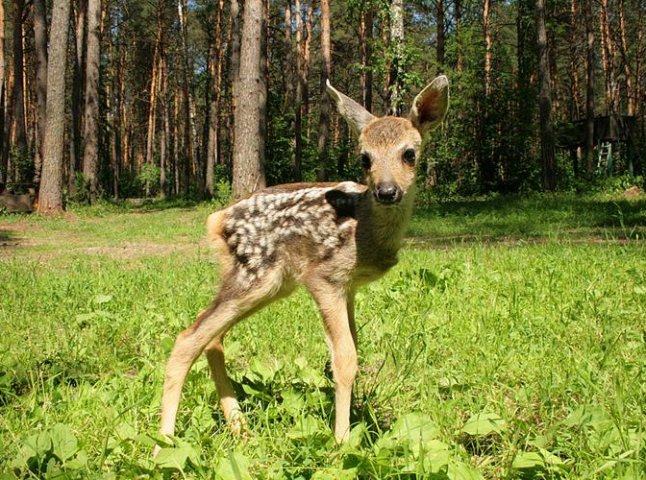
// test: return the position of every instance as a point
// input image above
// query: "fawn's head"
(389, 146)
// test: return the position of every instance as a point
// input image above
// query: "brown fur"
(331, 238)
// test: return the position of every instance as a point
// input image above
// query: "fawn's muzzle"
(388, 193)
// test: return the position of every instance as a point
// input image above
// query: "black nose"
(388, 192)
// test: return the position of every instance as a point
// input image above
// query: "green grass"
(510, 342)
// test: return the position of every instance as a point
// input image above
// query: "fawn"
(330, 237)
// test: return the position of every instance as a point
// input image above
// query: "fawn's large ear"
(356, 116)
(430, 106)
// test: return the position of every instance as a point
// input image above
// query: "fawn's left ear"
(430, 105)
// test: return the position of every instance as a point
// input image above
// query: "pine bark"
(628, 74)
(19, 132)
(326, 73)
(396, 85)
(589, 102)
(248, 171)
(545, 100)
(215, 76)
(78, 80)
(4, 157)
(486, 27)
(91, 107)
(440, 46)
(365, 38)
(298, 103)
(50, 197)
(40, 44)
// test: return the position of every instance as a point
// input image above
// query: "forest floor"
(510, 342)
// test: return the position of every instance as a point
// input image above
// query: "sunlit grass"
(508, 343)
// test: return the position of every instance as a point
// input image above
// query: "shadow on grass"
(9, 238)
(537, 218)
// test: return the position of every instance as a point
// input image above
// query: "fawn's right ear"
(356, 116)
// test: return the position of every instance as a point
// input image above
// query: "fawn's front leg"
(333, 303)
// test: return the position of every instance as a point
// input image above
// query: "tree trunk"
(457, 15)
(4, 157)
(589, 102)
(164, 137)
(215, 75)
(628, 75)
(91, 107)
(78, 90)
(188, 126)
(396, 85)
(326, 73)
(439, 17)
(607, 57)
(545, 100)
(486, 27)
(575, 93)
(365, 39)
(298, 104)
(51, 193)
(248, 172)
(152, 104)
(19, 132)
(234, 72)
(40, 44)
(288, 72)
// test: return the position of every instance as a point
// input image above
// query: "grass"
(509, 342)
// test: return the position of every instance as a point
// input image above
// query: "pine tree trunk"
(589, 102)
(19, 132)
(457, 16)
(545, 100)
(628, 75)
(78, 92)
(164, 137)
(50, 197)
(575, 94)
(215, 75)
(188, 126)
(91, 107)
(396, 85)
(365, 39)
(248, 172)
(486, 27)
(440, 49)
(607, 57)
(4, 157)
(298, 103)
(40, 44)
(326, 73)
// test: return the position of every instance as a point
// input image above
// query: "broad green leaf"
(233, 467)
(293, 401)
(528, 461)
(305, 427)
(78, 462)
(414, 427)
(483, 424)
(63, 441)
(174, 458)
(462, 471)
(435, 455)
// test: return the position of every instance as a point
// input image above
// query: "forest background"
(207, 98)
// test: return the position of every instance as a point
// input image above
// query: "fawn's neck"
(389, 222)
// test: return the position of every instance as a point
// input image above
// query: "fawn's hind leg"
(228, 401)
(232, 304)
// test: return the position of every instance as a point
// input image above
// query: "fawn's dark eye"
(409, 156)
(366, 163)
